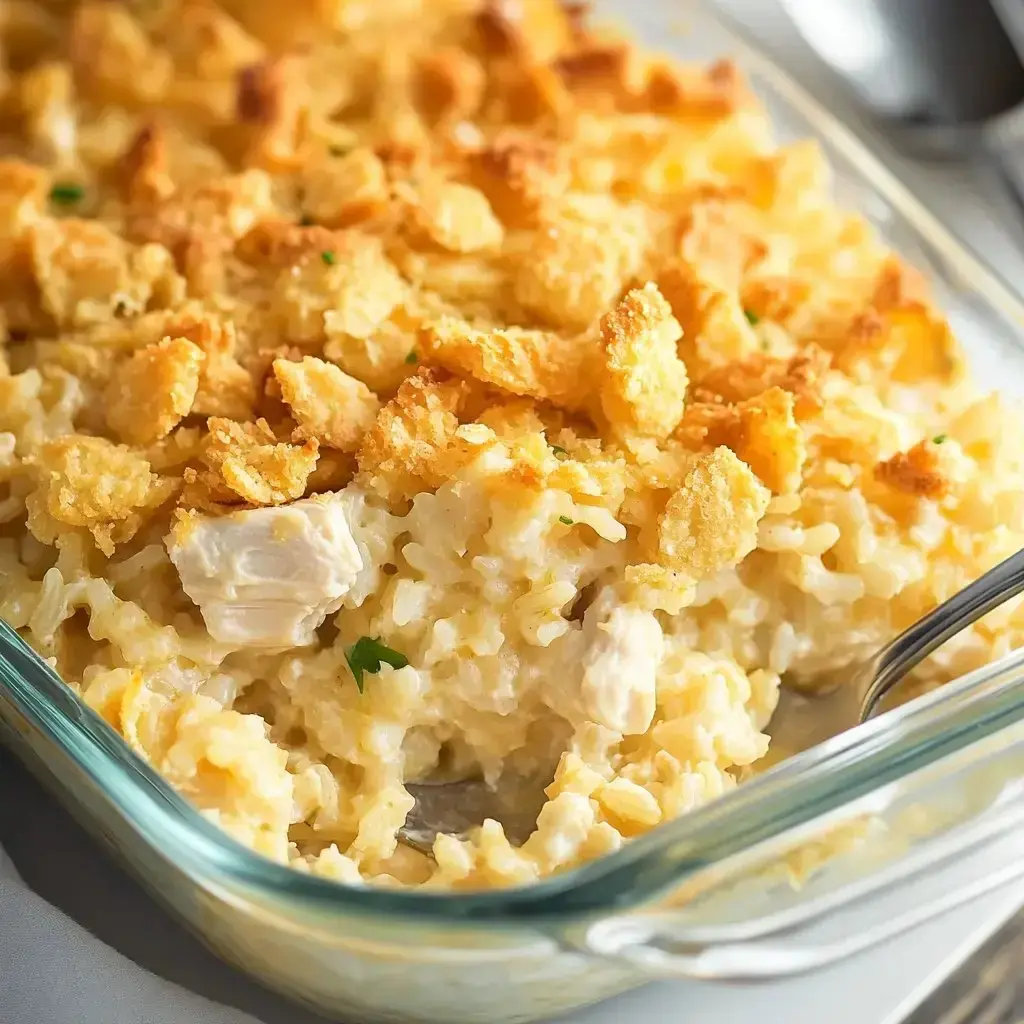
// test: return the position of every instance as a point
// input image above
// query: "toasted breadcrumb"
(405, 450)
(711, 521)
(644, 381)
(153, 390)
(327, 403)
(90, 482)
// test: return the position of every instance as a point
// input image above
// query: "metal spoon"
(802, 719)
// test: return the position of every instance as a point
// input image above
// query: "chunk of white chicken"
(267, 577)
(607, 669)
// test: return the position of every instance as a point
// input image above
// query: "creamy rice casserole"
(400, 387)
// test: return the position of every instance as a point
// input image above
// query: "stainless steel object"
(943, 79)
(939, 74)
(802, 719)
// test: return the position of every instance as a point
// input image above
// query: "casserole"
(399, 956)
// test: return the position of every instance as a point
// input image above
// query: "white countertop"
(54, 972)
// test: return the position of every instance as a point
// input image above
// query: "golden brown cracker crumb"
(143, 172)
(150, 393)
(339, 191)
(586, 250)
(347, 290)
(85, 273)
(537, 31)
(282, 243)
(711, 521)
(90, 482)
(226, 388)
(917, 472)
(272, 95)
(541, 364)
(644, 382)
(113, 58)
(450, 85)
(326, 402)
(801, 375)
(454, 217)
(713, 92)
(519, 173)
(770, 441)
(405, 451)
(246, 464)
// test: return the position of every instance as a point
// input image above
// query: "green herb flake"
(339, 149)
(66, 194)
(566, 520)
(412, 359)
(367, 654)
(558, 449)
(328, 257)
(940, 438)
(306, 221)
(752, 317)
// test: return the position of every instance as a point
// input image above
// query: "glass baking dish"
(834, 850)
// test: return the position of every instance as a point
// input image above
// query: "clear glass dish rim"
(824, 779)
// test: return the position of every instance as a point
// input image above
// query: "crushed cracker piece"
(542, 364)
(327, 403)
(710, 523)
(585, 252)
(340, 191)
(92, 483)
(455, 217)
(351, 295)
(85, 272)
(917, 472)
(449, 85)
(519, 173)
(150, 393)
(407, 448)
(247, 464)
(644, 380)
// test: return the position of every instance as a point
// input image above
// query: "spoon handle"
(913, 645)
